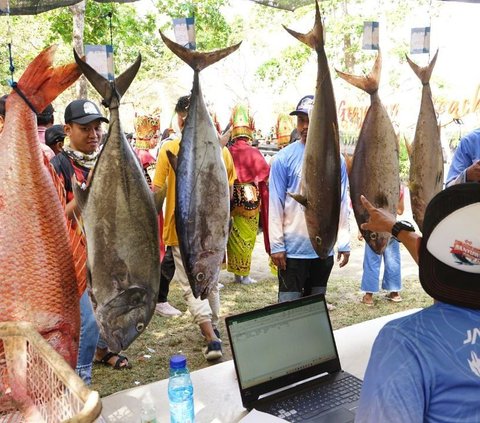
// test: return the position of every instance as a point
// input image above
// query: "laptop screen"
(280, 340)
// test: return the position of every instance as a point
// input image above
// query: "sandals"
(394, 298)
(367, 300)
(118, 362)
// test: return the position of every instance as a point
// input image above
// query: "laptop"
(287, 363)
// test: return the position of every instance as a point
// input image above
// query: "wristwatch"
(401, 225)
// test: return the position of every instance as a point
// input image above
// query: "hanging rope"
(11, 67)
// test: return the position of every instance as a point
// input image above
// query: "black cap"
(54, 134)
(83, 112)
(303, 106)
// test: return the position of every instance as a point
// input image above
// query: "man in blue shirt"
(426, 367)
(300, 271)
(465, 166)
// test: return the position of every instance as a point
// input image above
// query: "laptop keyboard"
(305, 405)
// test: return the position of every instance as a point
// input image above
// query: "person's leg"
(318, 272)
(199, 309)
(292, 280)
(88, 339)
(163, 307)
(371, 273)
(214, 302)
(109, 358)
(241, 243)
(392, 276)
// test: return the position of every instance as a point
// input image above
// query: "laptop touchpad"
(340, 415)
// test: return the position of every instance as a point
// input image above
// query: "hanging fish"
(120, 221)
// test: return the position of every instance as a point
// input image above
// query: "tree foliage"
(211, 28)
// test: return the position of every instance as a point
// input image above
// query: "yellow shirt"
(165, 174)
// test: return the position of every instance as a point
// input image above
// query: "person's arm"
(161, 171)
(277, 195)
(381, 220)
(343, 239)
(464, 167)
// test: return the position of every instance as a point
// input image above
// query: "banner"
(371, 35)
(184, 29)
(420, 40)
(100, 58)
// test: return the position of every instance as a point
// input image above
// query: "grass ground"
(150, 353)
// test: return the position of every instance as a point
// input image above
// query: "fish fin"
(123, 81)
(80, 194)
(299, 198)
(313, 38)
(367, 83)
(100, 84)
(195, 59)
(42, 82)
(423, 73)
(172, 158)
(159, 198)
(348, 161)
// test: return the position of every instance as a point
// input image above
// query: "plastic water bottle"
(148, 413)
(180, 391)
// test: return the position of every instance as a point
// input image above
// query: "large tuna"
(202, 205)
(120, 222)
(426, 157)
(375, 166)
(37, 277)
(321, 177)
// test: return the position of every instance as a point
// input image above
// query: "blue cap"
(178, 361)
(303, 106)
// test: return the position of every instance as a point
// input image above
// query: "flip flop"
(396, 299)
(367, 303)
(118, 363)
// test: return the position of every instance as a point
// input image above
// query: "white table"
(217, 398)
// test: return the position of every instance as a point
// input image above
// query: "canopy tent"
(33, 7)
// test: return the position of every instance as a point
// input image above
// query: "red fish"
(38, 281)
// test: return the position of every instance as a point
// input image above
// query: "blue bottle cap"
(178, 361)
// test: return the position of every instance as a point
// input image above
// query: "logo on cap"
(89, 108)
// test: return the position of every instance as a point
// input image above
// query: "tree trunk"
(78, 13)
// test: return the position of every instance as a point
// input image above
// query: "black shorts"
(302, 275)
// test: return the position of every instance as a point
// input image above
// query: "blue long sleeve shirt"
(467, 153)
(287, 226)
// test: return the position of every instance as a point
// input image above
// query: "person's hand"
(343, 257)
(280, 260)
(380, 220)
(473, 172)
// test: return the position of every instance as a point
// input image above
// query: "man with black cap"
(425, 367)
(300, 271)
(83, 127)
(54, 138)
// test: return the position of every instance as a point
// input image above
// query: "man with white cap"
(425, 367)
(300, 271)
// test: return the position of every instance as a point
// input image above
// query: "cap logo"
(455, 243)
(306, 103)
(89, 108)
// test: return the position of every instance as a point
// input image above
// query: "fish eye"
(140, 327)
(200, 277)
(318, 240)
(373, 236)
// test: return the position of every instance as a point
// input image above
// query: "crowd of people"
(405, 371)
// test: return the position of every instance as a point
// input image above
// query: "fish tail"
(423, 73)
(104, 87)
(367, 83)
(314, 38)
(41, 82)
(196, 60)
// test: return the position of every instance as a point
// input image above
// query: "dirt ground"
(260, 269)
